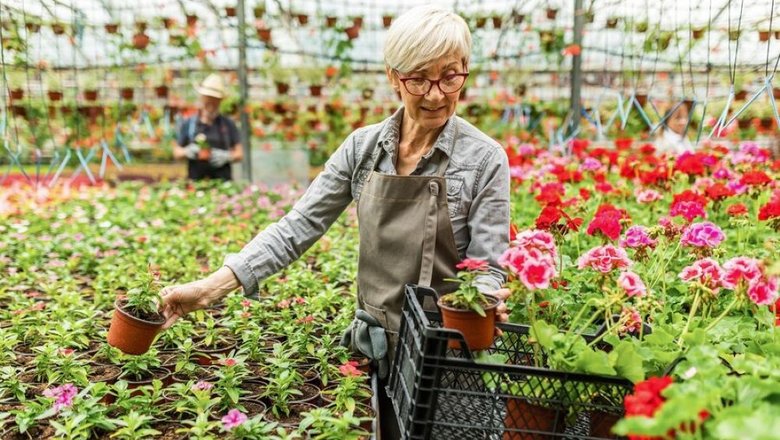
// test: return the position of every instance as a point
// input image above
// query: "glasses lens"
(417, 86)
(452, 83)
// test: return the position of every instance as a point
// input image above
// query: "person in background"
(674, 139)
(209, 141)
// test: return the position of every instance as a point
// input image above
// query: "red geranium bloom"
(647, 149)
(769, 211)
(548, 217)
(607, 221)
(578, 146)
(719, 191)
(737, 209)
(755, 178)
(584, 193)
(690, 163)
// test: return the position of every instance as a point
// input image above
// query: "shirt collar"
(390, 134)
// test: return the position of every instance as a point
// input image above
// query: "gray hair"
(424, 34)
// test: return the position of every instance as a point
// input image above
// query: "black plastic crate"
(439, 393)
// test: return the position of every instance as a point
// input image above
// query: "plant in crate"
(467, 309)
(136, 320)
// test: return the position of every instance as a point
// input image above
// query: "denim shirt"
(477, 196)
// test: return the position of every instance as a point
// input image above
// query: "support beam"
(576, 69)
(244, 91)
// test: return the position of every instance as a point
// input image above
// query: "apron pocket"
(380, 314)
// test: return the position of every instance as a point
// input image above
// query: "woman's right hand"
(180, 300)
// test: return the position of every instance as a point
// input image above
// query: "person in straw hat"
(209, 141)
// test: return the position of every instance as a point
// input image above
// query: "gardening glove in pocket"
(191, 151)
(219, 158)
(367, 337)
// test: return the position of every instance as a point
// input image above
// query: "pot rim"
(119, 307)
(494, 299)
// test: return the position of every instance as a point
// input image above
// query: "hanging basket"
(230, 11)
(168, 22)
(480, 22)
(16, 94)
(697, 33)
(612, 22)
(764, 36)
(734, 35)
(282, 88)
(111, 28)
(161, 91)
(192, 19)
(127, 93)
(54, 95)
(497, 21)
(358, 21)
(141, 41)
(91, 95)
(315, 90)
(352, 32)
(264, 34)
(58, 28)
(32, 27)
(141, 26)
(387, 20)
(330, 21)
(303, 19)
(551, 13)
(258, 11)
(518, 18)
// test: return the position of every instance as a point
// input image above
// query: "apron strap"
(429, 234)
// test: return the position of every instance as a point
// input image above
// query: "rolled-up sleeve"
(283, 242)
(488, 219)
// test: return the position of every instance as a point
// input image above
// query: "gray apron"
(405, 237)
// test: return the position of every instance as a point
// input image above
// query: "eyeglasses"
(448, 84)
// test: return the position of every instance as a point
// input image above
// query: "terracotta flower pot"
(127, 93)
(497, 21)
(330, 21)
(207, 356)
(551, 13)
(130, 334)
(112, 28)
(387, 20)
(315, 90)
(480, 22)
(54, 95)
(58, 28)
(763, 36)
(191, 20)
(601, 424)
(352, 32)
(358, 21)
(141, 41)
(230, 11)
(161, 91)
(478, 331)
(522, 415)
(16, 94)
(90, 95)
(282, 88)
(303, 19)
(204, 154)
(264, 34)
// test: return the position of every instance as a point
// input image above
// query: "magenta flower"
(637, 237)
(631, 321)
(632, 284)
(647, 196)
(688, 210)
(604, 259)
(350, 369)
(702, 235)
(706, 271)
(63, 395)
(534, 267)
(233, 418)
(591, 164)
(202, 385)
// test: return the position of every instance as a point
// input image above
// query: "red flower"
(585, 194)
(604, 187)
(769, 211)
(755, 178)
(472, 264)
(719, 191)
(350, 369)
(690, 164)
(572, 50)
(229, 362)
(647, 149)
(512, 232)
(737, 209)
(548, 217)
(647, 398)
(623, 144)
(607, 221)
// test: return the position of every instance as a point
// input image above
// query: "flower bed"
(246, 369)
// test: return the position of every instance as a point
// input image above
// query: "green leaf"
(628, 363)
(543, 333)
(595, 362)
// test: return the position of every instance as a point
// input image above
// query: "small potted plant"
(314, 76)
(54, 86)
(468, 310)
(204, 150)
(136, 320)
(89, 85)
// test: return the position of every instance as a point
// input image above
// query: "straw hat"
(212, 86)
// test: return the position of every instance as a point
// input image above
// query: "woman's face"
(432, 110)
(678, 120)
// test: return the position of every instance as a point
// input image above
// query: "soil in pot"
(253, 407)
(294, 418)
(309, 394)
(133, 334)
(37, 431)
(208, 355)
(478, 331)
(104, 373)
(168, 431)
(157, 373)
(537, 421)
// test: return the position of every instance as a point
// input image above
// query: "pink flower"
(63, 395)
(537, 273)
(763, 291)
(706, 271)
(632, 284)
(299, 300)
(350, 369)
(702, 235)
(647, 196)
(740, 269)
(604, 259)
(233, 418)
(473, 264)
(246, 303)
(631, 321)
(537, 239)
(229, 362)
(66, 351)
(637, 237)
(688, 210)
(283, 304)
(590, 164)
(202, 385)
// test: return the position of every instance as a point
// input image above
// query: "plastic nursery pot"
(204, 154)
(478, 331)
(130, 334)
(526, 421)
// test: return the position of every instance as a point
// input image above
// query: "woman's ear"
(394, 82)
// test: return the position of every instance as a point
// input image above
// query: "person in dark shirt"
(209, 141)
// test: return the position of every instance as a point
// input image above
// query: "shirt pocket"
(454, 195)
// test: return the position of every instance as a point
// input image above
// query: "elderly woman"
(430, 188)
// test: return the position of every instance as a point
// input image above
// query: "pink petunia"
(63, 395)
(233, 418)
(702, 235)
(202, 385)
(632, 284)
(350, 369)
